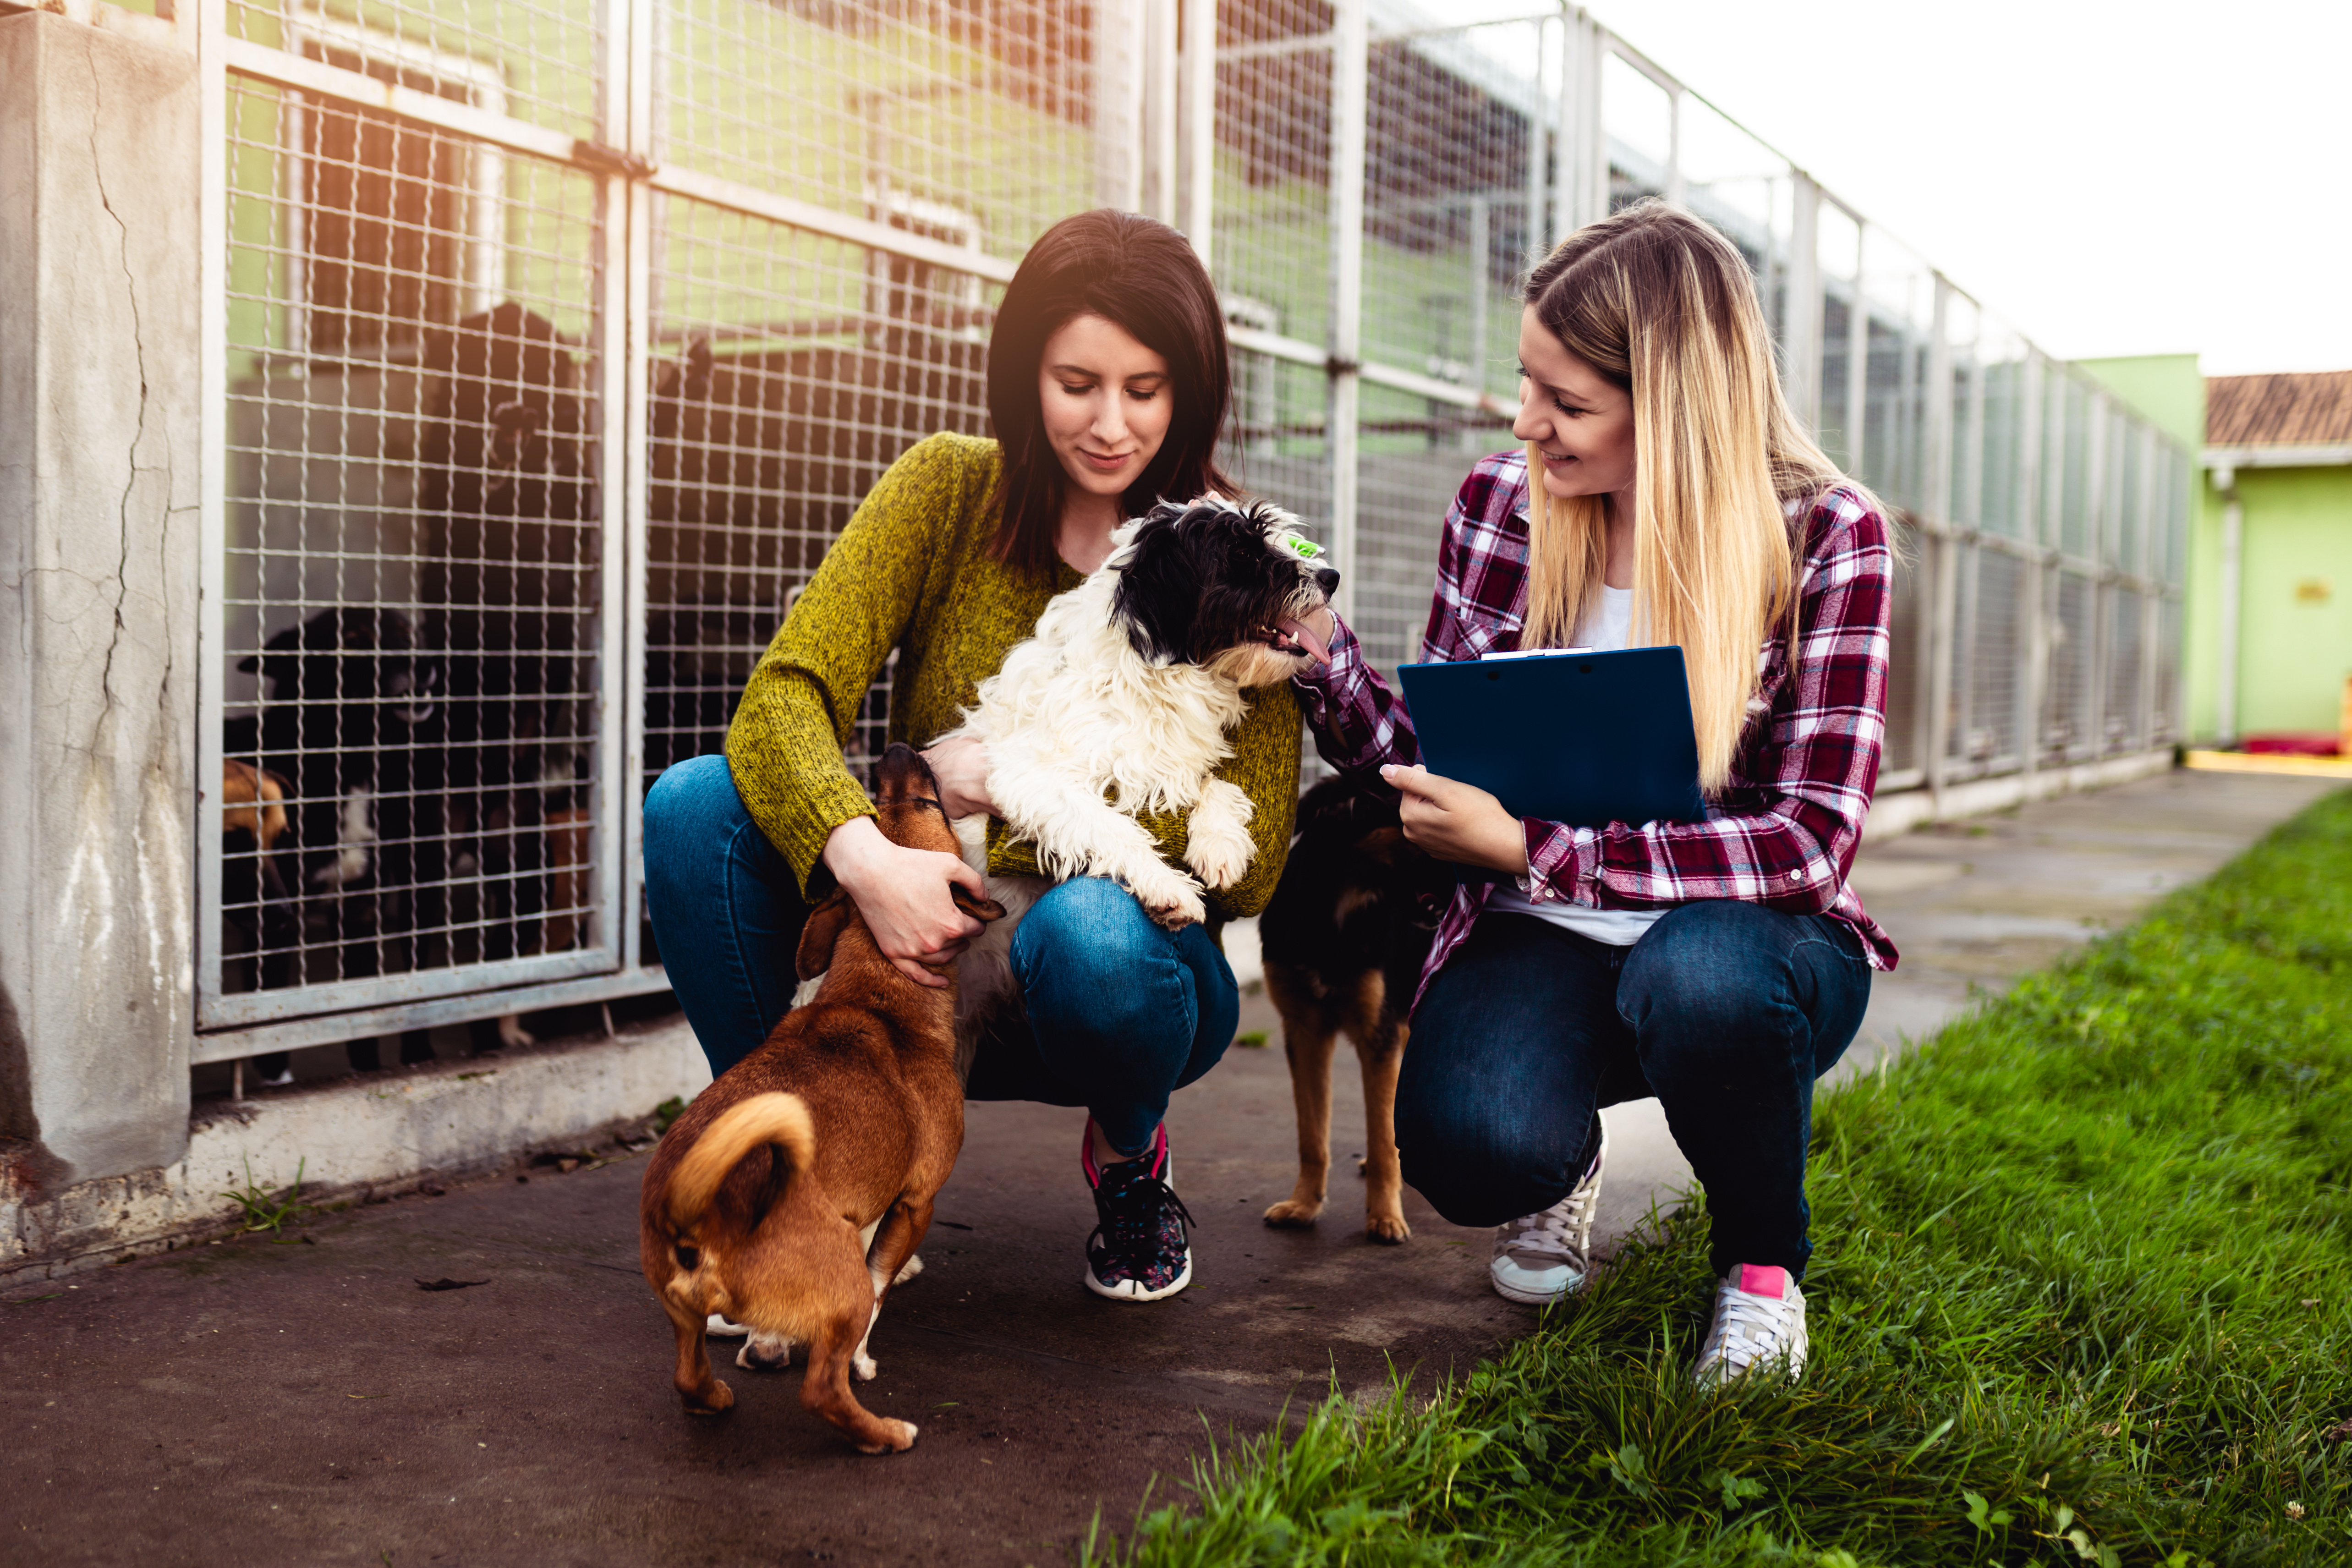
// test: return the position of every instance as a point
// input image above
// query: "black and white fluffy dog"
(1124, 701)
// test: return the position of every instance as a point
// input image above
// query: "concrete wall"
(99, 488)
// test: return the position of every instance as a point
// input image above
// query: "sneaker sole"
(1131, 1292)
(1535, 1298)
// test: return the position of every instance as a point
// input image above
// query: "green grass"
(2082, 1293)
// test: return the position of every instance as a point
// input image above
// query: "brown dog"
(1344, 938)
(759, 1200)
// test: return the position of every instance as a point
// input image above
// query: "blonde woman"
(1721, 965)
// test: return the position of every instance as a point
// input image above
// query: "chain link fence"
(551, 345)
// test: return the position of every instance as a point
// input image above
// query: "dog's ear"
(1381, 845)
(972, 904)
(826, 923)
(1159, 587)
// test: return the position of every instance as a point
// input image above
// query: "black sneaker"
(1138, 1251)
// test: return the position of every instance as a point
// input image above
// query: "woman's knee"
(1483, 1160)
(1719, 969)
(1087, 943)
(690, 798)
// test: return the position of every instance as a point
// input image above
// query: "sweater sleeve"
(784, 747)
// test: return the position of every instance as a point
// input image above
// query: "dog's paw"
(717, 1324)
(898, 1437)
(1219, 855)
(908, 1269)
(866, 1368)
(765, 1353)
(715, 1398)
(512, 1034)
(1293, 1214)
(1388, 1229)
(1171, 898)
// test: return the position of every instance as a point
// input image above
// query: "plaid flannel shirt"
(1782, 835)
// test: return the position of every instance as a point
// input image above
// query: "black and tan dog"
(1344, 936)
(793, 1190)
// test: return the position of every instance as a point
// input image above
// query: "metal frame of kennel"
(795, 282)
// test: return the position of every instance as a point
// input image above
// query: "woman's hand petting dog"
(1458, 822)
(960, 764)
(904, 895)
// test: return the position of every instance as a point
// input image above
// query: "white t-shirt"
(1602, 629)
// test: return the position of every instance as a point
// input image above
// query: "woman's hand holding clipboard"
(1450, 820)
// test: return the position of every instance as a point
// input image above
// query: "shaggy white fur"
(1084, 732)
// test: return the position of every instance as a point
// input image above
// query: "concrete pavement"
(307, 1402)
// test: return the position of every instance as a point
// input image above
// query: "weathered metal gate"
(550, 345)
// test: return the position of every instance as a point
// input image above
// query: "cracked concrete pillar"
(98, 573)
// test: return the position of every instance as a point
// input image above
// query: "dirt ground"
(304, 1401)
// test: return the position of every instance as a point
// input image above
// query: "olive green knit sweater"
(912, 571)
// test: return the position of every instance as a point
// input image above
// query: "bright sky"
(2112, 178)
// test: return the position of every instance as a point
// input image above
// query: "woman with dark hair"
(1108, 383)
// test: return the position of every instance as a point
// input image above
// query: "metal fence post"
(1350, 70)
(2104, 579)
(1198, 124)
(1800, 347)
(1117, 104)
(1857, 353)
(633, 41)
(1162, 195)
(2031, 629)
(1934, 517)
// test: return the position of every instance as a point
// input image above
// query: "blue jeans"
(1121, 1012)
(1726, 1011)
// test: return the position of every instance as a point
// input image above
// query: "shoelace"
(1564, 1230)
(1133, 1212)
(1762, 1328)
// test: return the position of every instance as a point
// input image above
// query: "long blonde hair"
(1664, 308)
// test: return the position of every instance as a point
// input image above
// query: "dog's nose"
(1327, 580)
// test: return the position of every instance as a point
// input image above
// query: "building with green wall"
(2268, 643)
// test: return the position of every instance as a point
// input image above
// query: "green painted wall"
(2297, 613)
(2167, 390)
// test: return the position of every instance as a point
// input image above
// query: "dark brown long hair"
(1141, 275)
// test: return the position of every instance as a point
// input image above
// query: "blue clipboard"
(1587, 739)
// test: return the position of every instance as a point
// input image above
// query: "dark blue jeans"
(1727, 1012)
(1121, 1013)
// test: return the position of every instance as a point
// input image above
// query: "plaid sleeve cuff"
(1563, 863)
(1331, 681)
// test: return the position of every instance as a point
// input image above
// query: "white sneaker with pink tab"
(1759, 1324)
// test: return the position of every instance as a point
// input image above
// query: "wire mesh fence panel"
(1743, 188)
(2123, 716)
(1637, 124)
(1446, 226)
(534, 59)
(2074, 529)
(787, 376)
(1271, 245)
(1898, 297)
(412, 622)
(2003, 498)
(967, 121)
(2165, 725)
(1274, 443)
(2066, 728)
(1844, 394)
(1996, 655)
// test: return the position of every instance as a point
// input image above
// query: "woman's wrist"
(850, 848)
